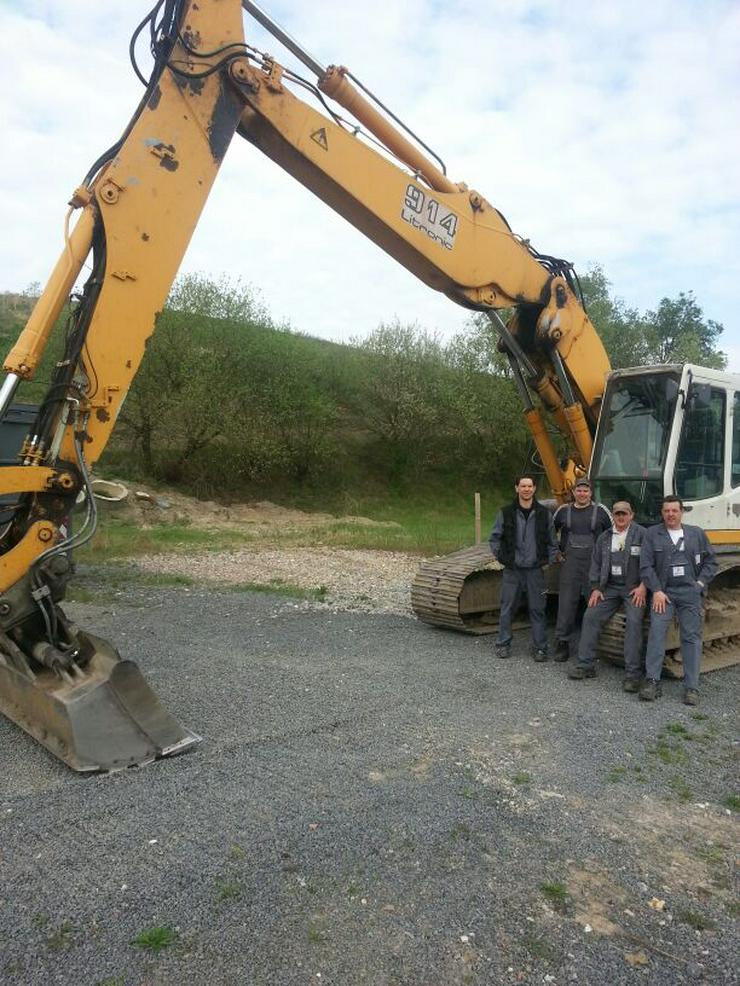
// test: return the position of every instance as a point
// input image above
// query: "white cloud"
(605, 133)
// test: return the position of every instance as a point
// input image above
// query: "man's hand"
(660, 601)
(596, 597)
(559, 558)
(638, 594)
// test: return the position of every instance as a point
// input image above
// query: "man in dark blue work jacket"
(677, 564)
(615, 584)
(523, 540)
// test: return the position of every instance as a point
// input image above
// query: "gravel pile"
(356, 581)
(374, 802)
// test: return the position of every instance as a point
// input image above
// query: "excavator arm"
(140, 203)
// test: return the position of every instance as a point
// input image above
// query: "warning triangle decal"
(320, 137)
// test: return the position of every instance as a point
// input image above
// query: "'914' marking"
(429, 216)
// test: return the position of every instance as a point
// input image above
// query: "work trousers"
(686, 605)
(573, 586)
(517, 581)
(596, 617)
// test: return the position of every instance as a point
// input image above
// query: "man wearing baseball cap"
(615, 582)
(578, 525)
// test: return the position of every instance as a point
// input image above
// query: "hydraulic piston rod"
(284, 38)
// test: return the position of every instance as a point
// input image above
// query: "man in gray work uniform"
(677, 565)
(578, 525)
(615, 582)
(523, 540)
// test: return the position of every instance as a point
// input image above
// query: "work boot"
(540, 655)
(561, 651)
(631, 685)
(690, 696)
(580, 671)
(503, 650)
(650, 690)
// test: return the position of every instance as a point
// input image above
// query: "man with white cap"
(615, 582)
(578, 525)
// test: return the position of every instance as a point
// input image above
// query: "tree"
(678, 333)
(621, 329)
(475, 349)
(197, 294)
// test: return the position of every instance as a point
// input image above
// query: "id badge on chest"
(678, 571)
(616, 569)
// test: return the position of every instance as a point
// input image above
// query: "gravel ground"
(374, 802)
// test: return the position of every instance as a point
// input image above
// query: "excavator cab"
(676, 430)
(633, 439)
(672, 430)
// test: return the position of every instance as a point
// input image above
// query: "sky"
(607, 133)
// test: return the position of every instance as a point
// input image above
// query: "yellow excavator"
(656, 429)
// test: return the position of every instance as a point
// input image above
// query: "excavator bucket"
(102, 718)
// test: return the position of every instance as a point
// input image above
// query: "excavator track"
(721, 638)
(462, 591)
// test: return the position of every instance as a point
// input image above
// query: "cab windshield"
(632, 442)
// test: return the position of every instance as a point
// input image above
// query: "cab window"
(736, 441)
(701, 455)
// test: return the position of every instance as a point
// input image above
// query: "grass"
(76, 593)
(522, 778)
(556, 894)
(428, 523)
(732, 802)
(668, 753)
(711, 853)
(469, 793)
(695, 920)
(616, 774)
(60, 938)
(681, 790)
(118, 577)
(156, 939)
(538, 948)
(460, 831)
(237, 853)
(228, 890)
(280, 588)
(116, 538)
(677, 729)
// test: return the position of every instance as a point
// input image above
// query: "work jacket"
(520, 543)
(659, 556)
(601, 560)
